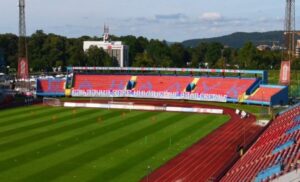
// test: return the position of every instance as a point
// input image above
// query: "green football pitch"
(40, 143)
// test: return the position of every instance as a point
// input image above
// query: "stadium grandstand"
(275, 155)
(50, 87)
(236, 86)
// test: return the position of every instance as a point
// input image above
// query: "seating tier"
(232, 87)
(264, 94)
(101, 82)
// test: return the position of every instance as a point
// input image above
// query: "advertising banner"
(149, 94)
(285, 72)
(144, 107)
(23, 68)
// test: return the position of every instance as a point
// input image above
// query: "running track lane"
(208, 158)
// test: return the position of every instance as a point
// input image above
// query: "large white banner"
(149, 94)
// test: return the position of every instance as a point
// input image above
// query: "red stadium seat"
(261, 157)
(232, 87)
(163, 83)
(101, 82)
(264, 94)
(50, 86)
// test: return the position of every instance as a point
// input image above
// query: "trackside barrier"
(196, 110)
(144, 107)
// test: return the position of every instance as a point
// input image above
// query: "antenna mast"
(106, 33)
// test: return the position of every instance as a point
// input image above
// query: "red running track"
(209, 158)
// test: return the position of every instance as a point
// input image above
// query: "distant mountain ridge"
(238, 39)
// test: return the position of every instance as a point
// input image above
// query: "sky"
(171, 20)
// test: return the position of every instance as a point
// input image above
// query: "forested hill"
(237, 40)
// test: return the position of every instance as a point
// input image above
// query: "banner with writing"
(149, 94)
(23, 68)
(285, 73)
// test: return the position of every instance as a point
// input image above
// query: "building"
(115, 49)
(263, 47)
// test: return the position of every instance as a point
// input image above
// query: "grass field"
(41, 143)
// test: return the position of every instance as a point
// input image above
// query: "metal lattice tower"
(22, 61)
(22, 24)
(22, 30)
(289, 29)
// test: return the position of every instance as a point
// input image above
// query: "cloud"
(177, 16)
(172, 27)
(211, 16)
(159, 18)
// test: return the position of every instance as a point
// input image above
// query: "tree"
(136, 46)
(36, 54)
(143, 60)
(165, 62)
(98, 57)
(248, 56)
(220, 63)
(75, 53)
(49, 50)
(94, 56)
(198, 55)
(179, 55)
(9, 45)
(213, 53)
(158, 50)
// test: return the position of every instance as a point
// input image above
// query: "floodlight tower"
(22, 58)
(289, 29)
(289, 41)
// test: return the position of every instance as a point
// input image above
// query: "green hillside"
(238, 39)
